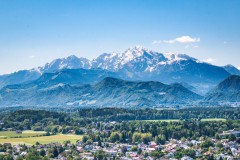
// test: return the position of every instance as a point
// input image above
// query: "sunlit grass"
(43, 139)
(27, 133)
(161, 120)
(212, 119)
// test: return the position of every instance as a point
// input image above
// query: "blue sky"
(34, 32)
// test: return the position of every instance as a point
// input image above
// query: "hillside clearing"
(43, 139)
(212, 119)
(24, 134)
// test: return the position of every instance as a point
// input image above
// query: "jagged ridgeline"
(136, 77)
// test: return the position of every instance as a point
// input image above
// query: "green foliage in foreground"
(133, 126)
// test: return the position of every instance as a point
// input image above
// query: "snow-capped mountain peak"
(131, 54)
(115, 61)
(136, 63)
(136, 51)
(136, 57)
(70, 62)
(173, 57)
(71, 57)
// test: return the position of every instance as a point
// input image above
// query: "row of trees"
(116, 114)
(145, 131)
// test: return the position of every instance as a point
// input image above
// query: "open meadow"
(24, 134)
(212, 119)
(43, 139)
(177, 120)
(161, 120)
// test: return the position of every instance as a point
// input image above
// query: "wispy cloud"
(182, 39)
(210, 60)
(225, 42)
(31, 57)
(188, 46)
(157, 42)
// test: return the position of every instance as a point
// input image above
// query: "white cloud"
(187, 39)
(31, 57)
(210, 60)
(182, 39)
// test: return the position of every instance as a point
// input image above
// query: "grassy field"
(27, 133)
(161, 120)
(43, 139)
(177, 120)
(212, 119)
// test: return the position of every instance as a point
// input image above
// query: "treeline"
(144, 131)
(41, 120)
(61, 122)
(120, 114)
(94, 123)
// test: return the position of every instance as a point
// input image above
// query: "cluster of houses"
(126, 152)
(234, 132)
(169, 149)
(230, 149)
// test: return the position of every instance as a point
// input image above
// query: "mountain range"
(47, 91)
(136, 77)
(76, 77)
(137, 63)
(109, 92)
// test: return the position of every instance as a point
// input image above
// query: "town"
(223, 146)
(119, 80)
(113, 133)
